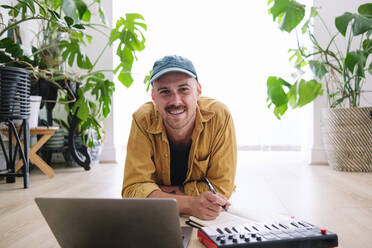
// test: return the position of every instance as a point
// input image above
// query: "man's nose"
(175, 99)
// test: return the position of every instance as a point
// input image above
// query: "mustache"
(175, 107)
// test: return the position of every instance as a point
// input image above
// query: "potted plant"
(76, 132)
(65, 30)
(346, 125)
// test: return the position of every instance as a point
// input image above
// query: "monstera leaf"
(289, 13)
(281, 93)
(128, 32)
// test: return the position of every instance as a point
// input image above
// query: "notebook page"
(224, 218)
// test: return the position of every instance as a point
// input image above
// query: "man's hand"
(208, 206)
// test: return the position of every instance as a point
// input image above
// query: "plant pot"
(347, 138)
(95, 153)
(3, 165)
(34, 111)
(14, 93)
(57, 141)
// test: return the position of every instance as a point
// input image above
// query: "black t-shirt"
(178, 164)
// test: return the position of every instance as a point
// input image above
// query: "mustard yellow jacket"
(212, 153)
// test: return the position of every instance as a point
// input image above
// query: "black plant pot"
(14, 93)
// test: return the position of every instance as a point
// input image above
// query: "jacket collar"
(202, 116)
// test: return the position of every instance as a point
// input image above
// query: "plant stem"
(98, 58)
(326, 53)
(96, 24)
(350, 38)
(44, 48)
(98, 30)
(356, 91)
(328, 91)
(20, 21)
(98, 71)
(329, 45)
(329, 33)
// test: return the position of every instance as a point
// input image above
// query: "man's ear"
(198, 89)
(153, 94)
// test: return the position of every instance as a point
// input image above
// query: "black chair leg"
(26, 163)
(10, 166)
(11, 157)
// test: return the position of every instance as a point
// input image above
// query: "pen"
(204, 179)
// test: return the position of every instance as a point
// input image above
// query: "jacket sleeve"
(222, 162)
(139, 171)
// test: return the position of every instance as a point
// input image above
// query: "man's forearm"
(184, 202)
(178, 190)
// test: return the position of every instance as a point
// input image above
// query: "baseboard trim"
(318, 156)
(108, 155)
(269, 148)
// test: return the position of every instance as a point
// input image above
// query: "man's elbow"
(128, 192)
(138, 190)
(124, 193)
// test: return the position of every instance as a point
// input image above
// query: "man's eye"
(184, 89)
(164, 92)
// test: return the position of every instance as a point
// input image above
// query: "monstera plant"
(344, 72)
(66, 27)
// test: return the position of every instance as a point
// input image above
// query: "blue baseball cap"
(172, 63)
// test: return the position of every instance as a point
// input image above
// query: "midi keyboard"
(283, 234)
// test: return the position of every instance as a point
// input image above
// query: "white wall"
(331, 9)
(106, 62)
(27, 29)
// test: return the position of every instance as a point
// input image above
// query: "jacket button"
(166, 155)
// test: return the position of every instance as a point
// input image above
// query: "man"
(178, 140)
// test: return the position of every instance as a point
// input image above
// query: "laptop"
(134, 222)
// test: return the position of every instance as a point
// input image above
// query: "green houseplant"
(348, 70)
(72, 19)
(343, 73)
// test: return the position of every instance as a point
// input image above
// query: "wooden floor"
(267, 183)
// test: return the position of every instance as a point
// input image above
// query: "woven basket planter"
(347, 138)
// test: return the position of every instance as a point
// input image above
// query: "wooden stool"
(46, 133)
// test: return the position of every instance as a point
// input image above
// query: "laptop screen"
(134, 222)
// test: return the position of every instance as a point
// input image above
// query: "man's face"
(175, 95)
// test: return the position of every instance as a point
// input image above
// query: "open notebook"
(237, 216)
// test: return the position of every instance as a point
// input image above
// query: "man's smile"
(176, 110)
